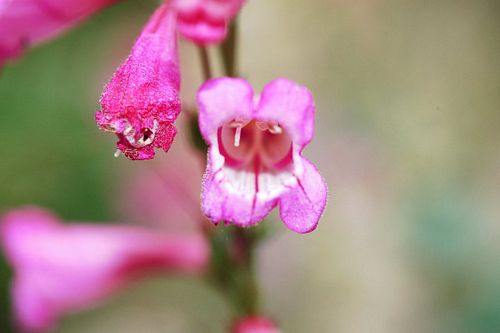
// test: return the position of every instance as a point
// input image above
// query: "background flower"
(24, 23)
(205, 21)
(60, 269)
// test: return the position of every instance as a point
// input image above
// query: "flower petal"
(292, 106)
(28, 22)
(302, 205)
(64, 268)
(165, 195)
(222, 100)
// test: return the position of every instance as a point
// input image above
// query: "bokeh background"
(408, 133)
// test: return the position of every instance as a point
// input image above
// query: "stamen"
(129, 134)
(109, 128)
(148, 135)
(117, 153)
(237, 136)
(275, 129)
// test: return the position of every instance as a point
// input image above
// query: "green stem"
(249, 293)
(205, 63)
(233, 267)
(229, 50)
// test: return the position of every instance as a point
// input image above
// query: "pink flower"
(205, 21)
(254, 324)
(141, 102)
(165, 194)
(27, 22)
(65, 268)
(255, 157)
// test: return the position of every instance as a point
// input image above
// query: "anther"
(148, 135)
(275, 129)
(129, 134)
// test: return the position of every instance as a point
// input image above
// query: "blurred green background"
(408, 133)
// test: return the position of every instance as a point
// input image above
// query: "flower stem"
(205, 63)
(228, 50)
(236, 273)
(232, 269)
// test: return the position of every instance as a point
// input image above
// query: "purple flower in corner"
(255, 157)
(141, 101)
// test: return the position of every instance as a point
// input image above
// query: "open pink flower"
(141, 101)
(255, 157)
(205, 21)
(27, 22)
(64, 268)
(255, 324)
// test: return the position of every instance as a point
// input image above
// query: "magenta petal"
(221, 100)
(301, 206)
(65, 268)
(141, 101)
(292, 106)
(28, 22)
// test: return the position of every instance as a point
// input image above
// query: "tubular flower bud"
(141, 101)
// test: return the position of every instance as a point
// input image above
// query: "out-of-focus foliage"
(408, 127)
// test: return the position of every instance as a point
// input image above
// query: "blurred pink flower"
(24, 23)
(165, 194)
(255, 324)
(255, 157)
(65, 268)
(141, 101)
(205, 21)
